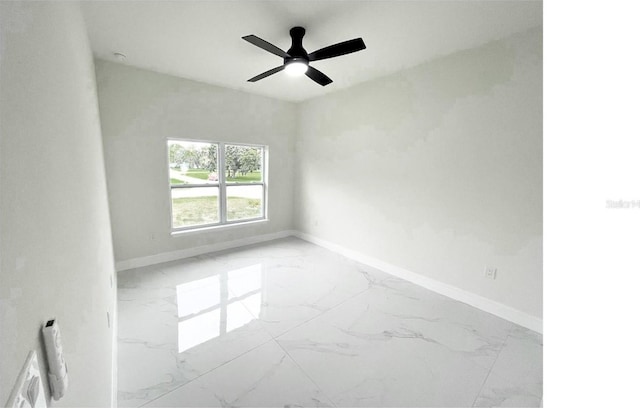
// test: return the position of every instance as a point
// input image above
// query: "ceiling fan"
(296, 60)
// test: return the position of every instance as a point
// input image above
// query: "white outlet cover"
(28, 390)
(490, 273)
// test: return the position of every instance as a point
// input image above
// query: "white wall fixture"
(58, 379)
(28, 391)
(490, 273)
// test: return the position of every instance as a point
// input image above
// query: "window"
(203, 196)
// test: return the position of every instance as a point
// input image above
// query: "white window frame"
(222, 186)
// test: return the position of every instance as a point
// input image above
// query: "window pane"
(243, 164)
(192, 162)
(194, 206)
(244, 202)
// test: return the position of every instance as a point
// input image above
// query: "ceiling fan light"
(296, 68)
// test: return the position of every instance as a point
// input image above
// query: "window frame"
(221, 184)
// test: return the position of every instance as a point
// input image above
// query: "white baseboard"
(189, 252)
(480, 302)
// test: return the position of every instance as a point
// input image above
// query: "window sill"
(212, 228)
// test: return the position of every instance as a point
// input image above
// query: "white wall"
(437, 169)
(55, 248)
(139, 111)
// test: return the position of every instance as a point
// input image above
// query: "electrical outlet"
(490, 273)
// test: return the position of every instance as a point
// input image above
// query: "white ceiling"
(201, 40)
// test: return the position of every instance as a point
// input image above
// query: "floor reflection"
(213, 306)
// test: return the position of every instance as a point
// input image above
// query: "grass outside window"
(204, 210)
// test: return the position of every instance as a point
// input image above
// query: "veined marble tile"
(506, 396)
(302, 283)
(458, 326)
(148, 369)
(516, 377)
(398, 348)
(264, 377)
(177, 325)
(288, 322)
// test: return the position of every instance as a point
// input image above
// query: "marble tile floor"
(290, 324)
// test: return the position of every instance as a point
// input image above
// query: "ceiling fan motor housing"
(296, 52)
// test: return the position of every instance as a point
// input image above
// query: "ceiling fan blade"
(318, 76)
(266, 74)
(267, 46)
(335, 50)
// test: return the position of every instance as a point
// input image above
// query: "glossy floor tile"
(265, 376)
(287, 323)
